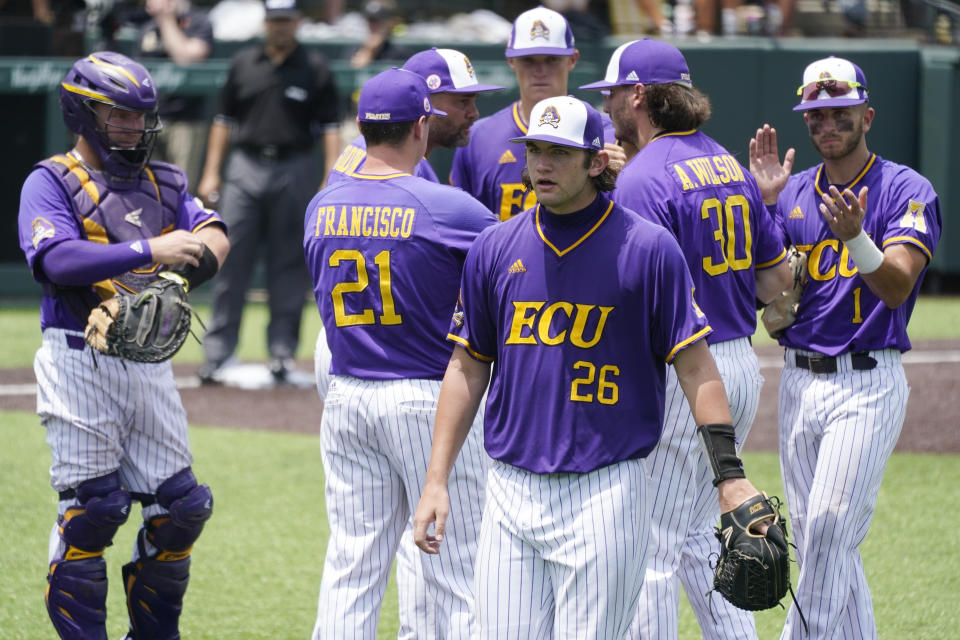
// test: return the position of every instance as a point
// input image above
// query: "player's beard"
(849, 140)
(448, 137)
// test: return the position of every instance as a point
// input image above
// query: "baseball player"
(385, 249)
(869, 228)
(683, 179)
(581, 304)
(454, 89)
(97, 221)
(541, 54)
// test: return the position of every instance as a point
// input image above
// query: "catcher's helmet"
(116, 80)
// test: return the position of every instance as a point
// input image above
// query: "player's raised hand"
(434, 508)
(176, 247)
(770, 174)
(844, 212)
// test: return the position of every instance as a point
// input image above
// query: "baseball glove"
(753, 570)
(146, 327)
(782, 312)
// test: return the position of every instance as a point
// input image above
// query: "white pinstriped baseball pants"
(375, 442)
(685, 510)
(561, 555)
(115, 415)
(837, 432)
(417, 613)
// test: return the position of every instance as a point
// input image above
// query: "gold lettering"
(684, 178)
(718, 163)
(580, 323)
(735, 170)
(714, 178)
(406, 227)
(543, 327)
(816, 257)
(523, 319)
(342, 226)
(366, 218)
(703, 177)
(394, 229)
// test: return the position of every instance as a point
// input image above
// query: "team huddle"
(536, 380)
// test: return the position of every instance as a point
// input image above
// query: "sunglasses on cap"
(834, 88)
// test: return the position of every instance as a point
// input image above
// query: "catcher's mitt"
(146, 327)
(753, 570)
(782, 312)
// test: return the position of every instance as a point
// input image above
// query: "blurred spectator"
(279, 96)
(586, 24)
(382, 18)
(183, 34)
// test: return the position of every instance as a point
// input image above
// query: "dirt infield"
(934, 402)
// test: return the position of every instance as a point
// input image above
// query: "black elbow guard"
(720, 444)
(196, 276)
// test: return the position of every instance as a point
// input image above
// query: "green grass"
(934, 318)
(256, 569)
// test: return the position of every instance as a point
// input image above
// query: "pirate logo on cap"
(550, 117)
(469, 66)
(539, 30)
(433, 81)
(825, 75)
(426, 105)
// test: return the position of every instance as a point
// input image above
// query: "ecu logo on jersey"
(539, 30)
(550, 117)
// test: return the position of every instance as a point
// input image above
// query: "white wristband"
(864, 253)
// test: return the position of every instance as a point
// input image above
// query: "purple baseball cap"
(446, 71)
(832, 82)
(540, 31)
(395, 95)
(566, 121)
(644, 61)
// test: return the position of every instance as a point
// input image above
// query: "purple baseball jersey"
(352, 158)
(127, 219)
(580, 315)
(489, 168)
(693, 186)
(386, 254)
(838, 312)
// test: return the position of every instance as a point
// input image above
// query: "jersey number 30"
(725, 233)
(389, 315)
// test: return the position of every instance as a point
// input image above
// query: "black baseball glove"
(753, 570)
(149, 326)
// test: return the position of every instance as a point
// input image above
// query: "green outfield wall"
(915, 90)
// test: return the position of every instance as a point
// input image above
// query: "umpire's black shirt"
(285, 106)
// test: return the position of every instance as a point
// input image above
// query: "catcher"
(105, 230)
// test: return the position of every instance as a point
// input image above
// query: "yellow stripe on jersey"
(816, 179)
(688, 341)
(764, 265)
(466, 345)
(909, 240)
(672, 133)
(559, 253)
(518, 118)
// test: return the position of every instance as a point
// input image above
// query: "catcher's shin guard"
(156, 582)
(76, 595)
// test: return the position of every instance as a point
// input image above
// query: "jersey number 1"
(389, 315)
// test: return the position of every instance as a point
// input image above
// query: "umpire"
(278, 98)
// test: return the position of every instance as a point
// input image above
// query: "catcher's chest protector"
(107, 214)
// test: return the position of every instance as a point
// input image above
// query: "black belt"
(76, 342)
(859, 361)
(273, 153)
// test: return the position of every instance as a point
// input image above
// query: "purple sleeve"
(459, 176)
(425, 170)
(193, 216)
(916, 218)
(81, 262)
(679, 322)
(474, 322)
